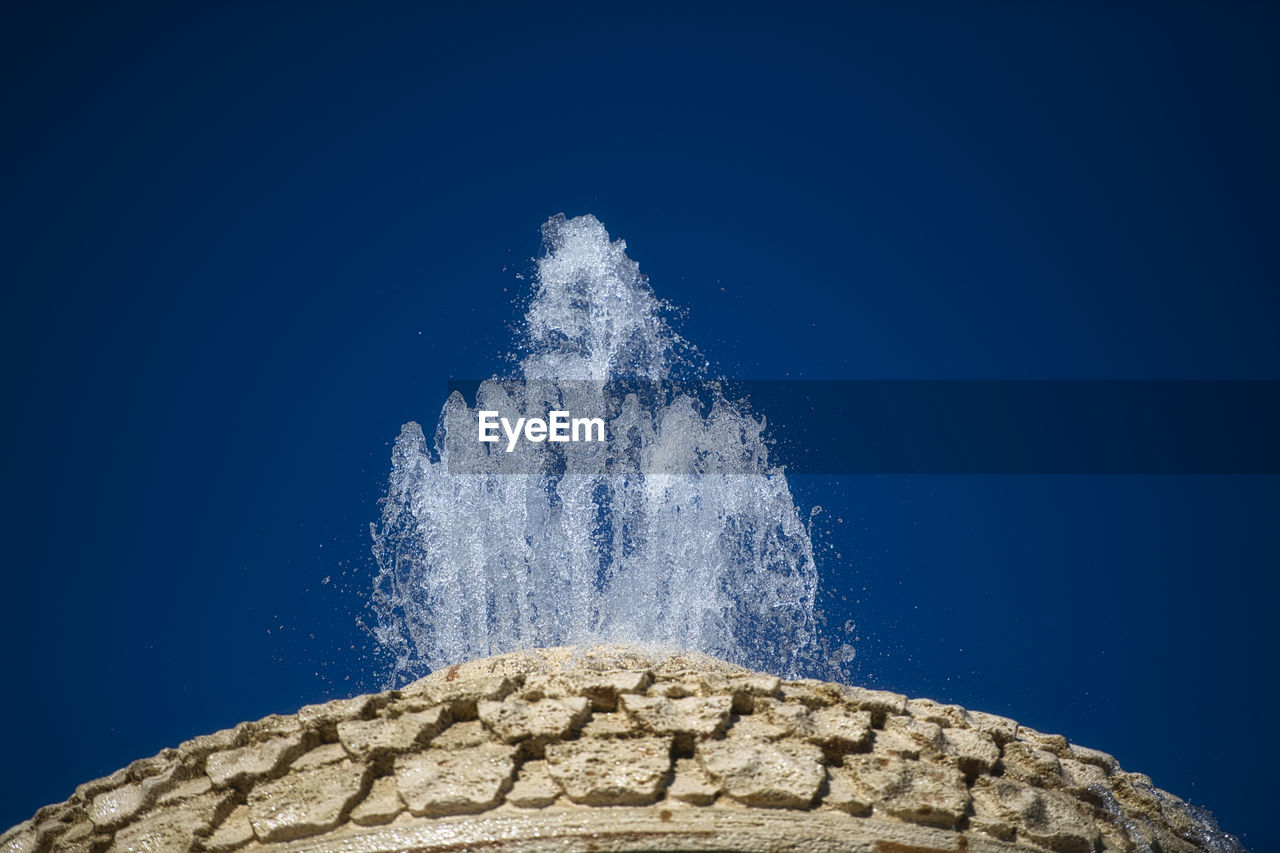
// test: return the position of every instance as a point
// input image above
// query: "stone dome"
(622, 749)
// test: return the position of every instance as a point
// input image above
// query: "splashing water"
(679, 533)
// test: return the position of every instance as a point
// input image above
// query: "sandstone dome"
(614, 748)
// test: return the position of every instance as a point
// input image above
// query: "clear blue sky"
(244, 242)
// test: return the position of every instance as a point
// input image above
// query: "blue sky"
(244, 243)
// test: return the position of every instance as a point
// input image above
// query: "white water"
(681, 534)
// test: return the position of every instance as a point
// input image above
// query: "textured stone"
(845, 794)
(783, 720)
(233, 833)
(461, 696)
(912, 791)
(691, 715)
(811, 693)
(77, 836)
(301, 804)
(88, 790)
(330, 753)
(870, 770)
(601, 688)
(19, 839)
(1000, 729)
(841, 729)
(534, 787)
(611, 724)
(516, 720)
(1079, 777)
(1005, 809)
(364, 739)
(763, 773)
(1026, 763)
(172, 830)
(254, 761)
(168, 780)
(880, 703)
(326, 717)
(947, 716)
(926, 736)
(1056, 744)
(971, 751)
(381, 805)
(463, 736)
(611, 772)
(191, 788)
(443, 782)
(113, 808)
(692, 784)
(1096, 757)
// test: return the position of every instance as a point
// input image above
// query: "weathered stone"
(841, 729)
(191, 788)
(172, 830)
(611, 725)
(330, 753)
(845, 794)
(895, 744)
(77, 837)
(1136, 793)
(113, 808)
(199, 748)
(1079, 777)
(1003, 807)
(462, 697)
(248, 763)
(167, 781)
(753, 683)
(763, 773)
(516, 720)
(533, 787)
(611, 772)
(970, 750)
(381, 805)
(1024, 762)
(693, 715)
(301, 804)
(151, 765)
(676, 689)
(1001, 729)
(907, 737)
(443, 782)
(601, 688)
(907, 793)
(232, 834)
(1096, 757)
(463, 736)
(273, 725)
(947, 716)
(811, 693)
(19, 839)
(880, 703)
(919, 793)
(692, 784)
(365, 739)
(789, 720)
(88, 790)
(757, 726)
(326, 717)
(1056, 744)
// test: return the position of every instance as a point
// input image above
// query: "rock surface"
(615, 748)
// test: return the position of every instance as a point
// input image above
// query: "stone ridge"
(671, 741)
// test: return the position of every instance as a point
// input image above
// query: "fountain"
(603, 646)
